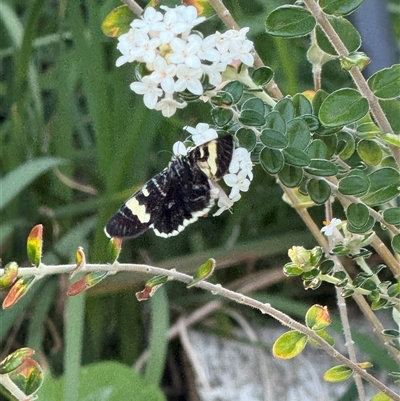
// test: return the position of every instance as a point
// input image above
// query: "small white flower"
(146, 47)
(239, 154)
(238, 182)
(164, 74)
(185, 52)
(188, 78)
(207, 50)
(168, 105)
(149, 89)
(214, 72)
(202, 133)
(179, 149)
(147, 20)
(330, 228)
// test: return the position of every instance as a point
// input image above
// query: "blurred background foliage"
(65, 106)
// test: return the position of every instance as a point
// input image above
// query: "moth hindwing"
(177, 196)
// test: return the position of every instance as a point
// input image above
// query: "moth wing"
(188, 198)
(139, 212)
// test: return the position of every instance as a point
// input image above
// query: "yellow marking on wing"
(138, 210)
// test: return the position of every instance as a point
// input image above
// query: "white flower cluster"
(177, 58)
(240, 169)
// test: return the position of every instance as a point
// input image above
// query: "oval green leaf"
(384, 186)
(317, 149)
(338, 374)
(261, 76)
(361, 230)
(392, 215)
(289, 21)
(370, 152)
(291, 176)
(396, 243)
(321, 168)
(289, 344)
(296, 157)
(271, 160)
(247, 138)
(357, 214)
(298, 133)
(255, 104)
(339, 7)
(221, 116)
(346, 145)
(235, 89)
(346, 31)
(342, 107)
(301, 105)
(356, 183)
(252, 118)
(117, 21)
(273, 139)
(386, 83)
(319, 191)
(286, 108)
(275, 121)
(317, 318)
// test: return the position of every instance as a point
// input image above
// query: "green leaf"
(325, 336)
(368, 130)
(355, 59)
(391, 139)
(357, 214)
(317, 149)
(104, 381)
(396, 243)
(117, 21)
(261, 76)
(222, 98)
(346, 145)
(326, 266)
(289, 344)
(381, 397)
(14, 360)
(394, 289)
(356, 183)
(247, 138)
(386, 83)
(235, 89)
(370, 152)
(291, 176)
(28, 377)
(275, 121)
(255, 104)
(343, 107)
(311, 121)
(271, 160)
(17, 180)
(363, 229)
(391, 108)
(203, 272)
(34, 245)
(302, 105)
(384, 186)
(338, 374)
(379, 304)
(290, 269)
(346, 31)
(339, 7)
(319, 191)
(252, 118)
(321, 168)
(273, 139)
(289, 21)
(286, 108)
(221, 116)
(392, 333)
(298, 133)
(317, 318)
(296, 157)
(392, 215)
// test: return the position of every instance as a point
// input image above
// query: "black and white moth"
(177, 196)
